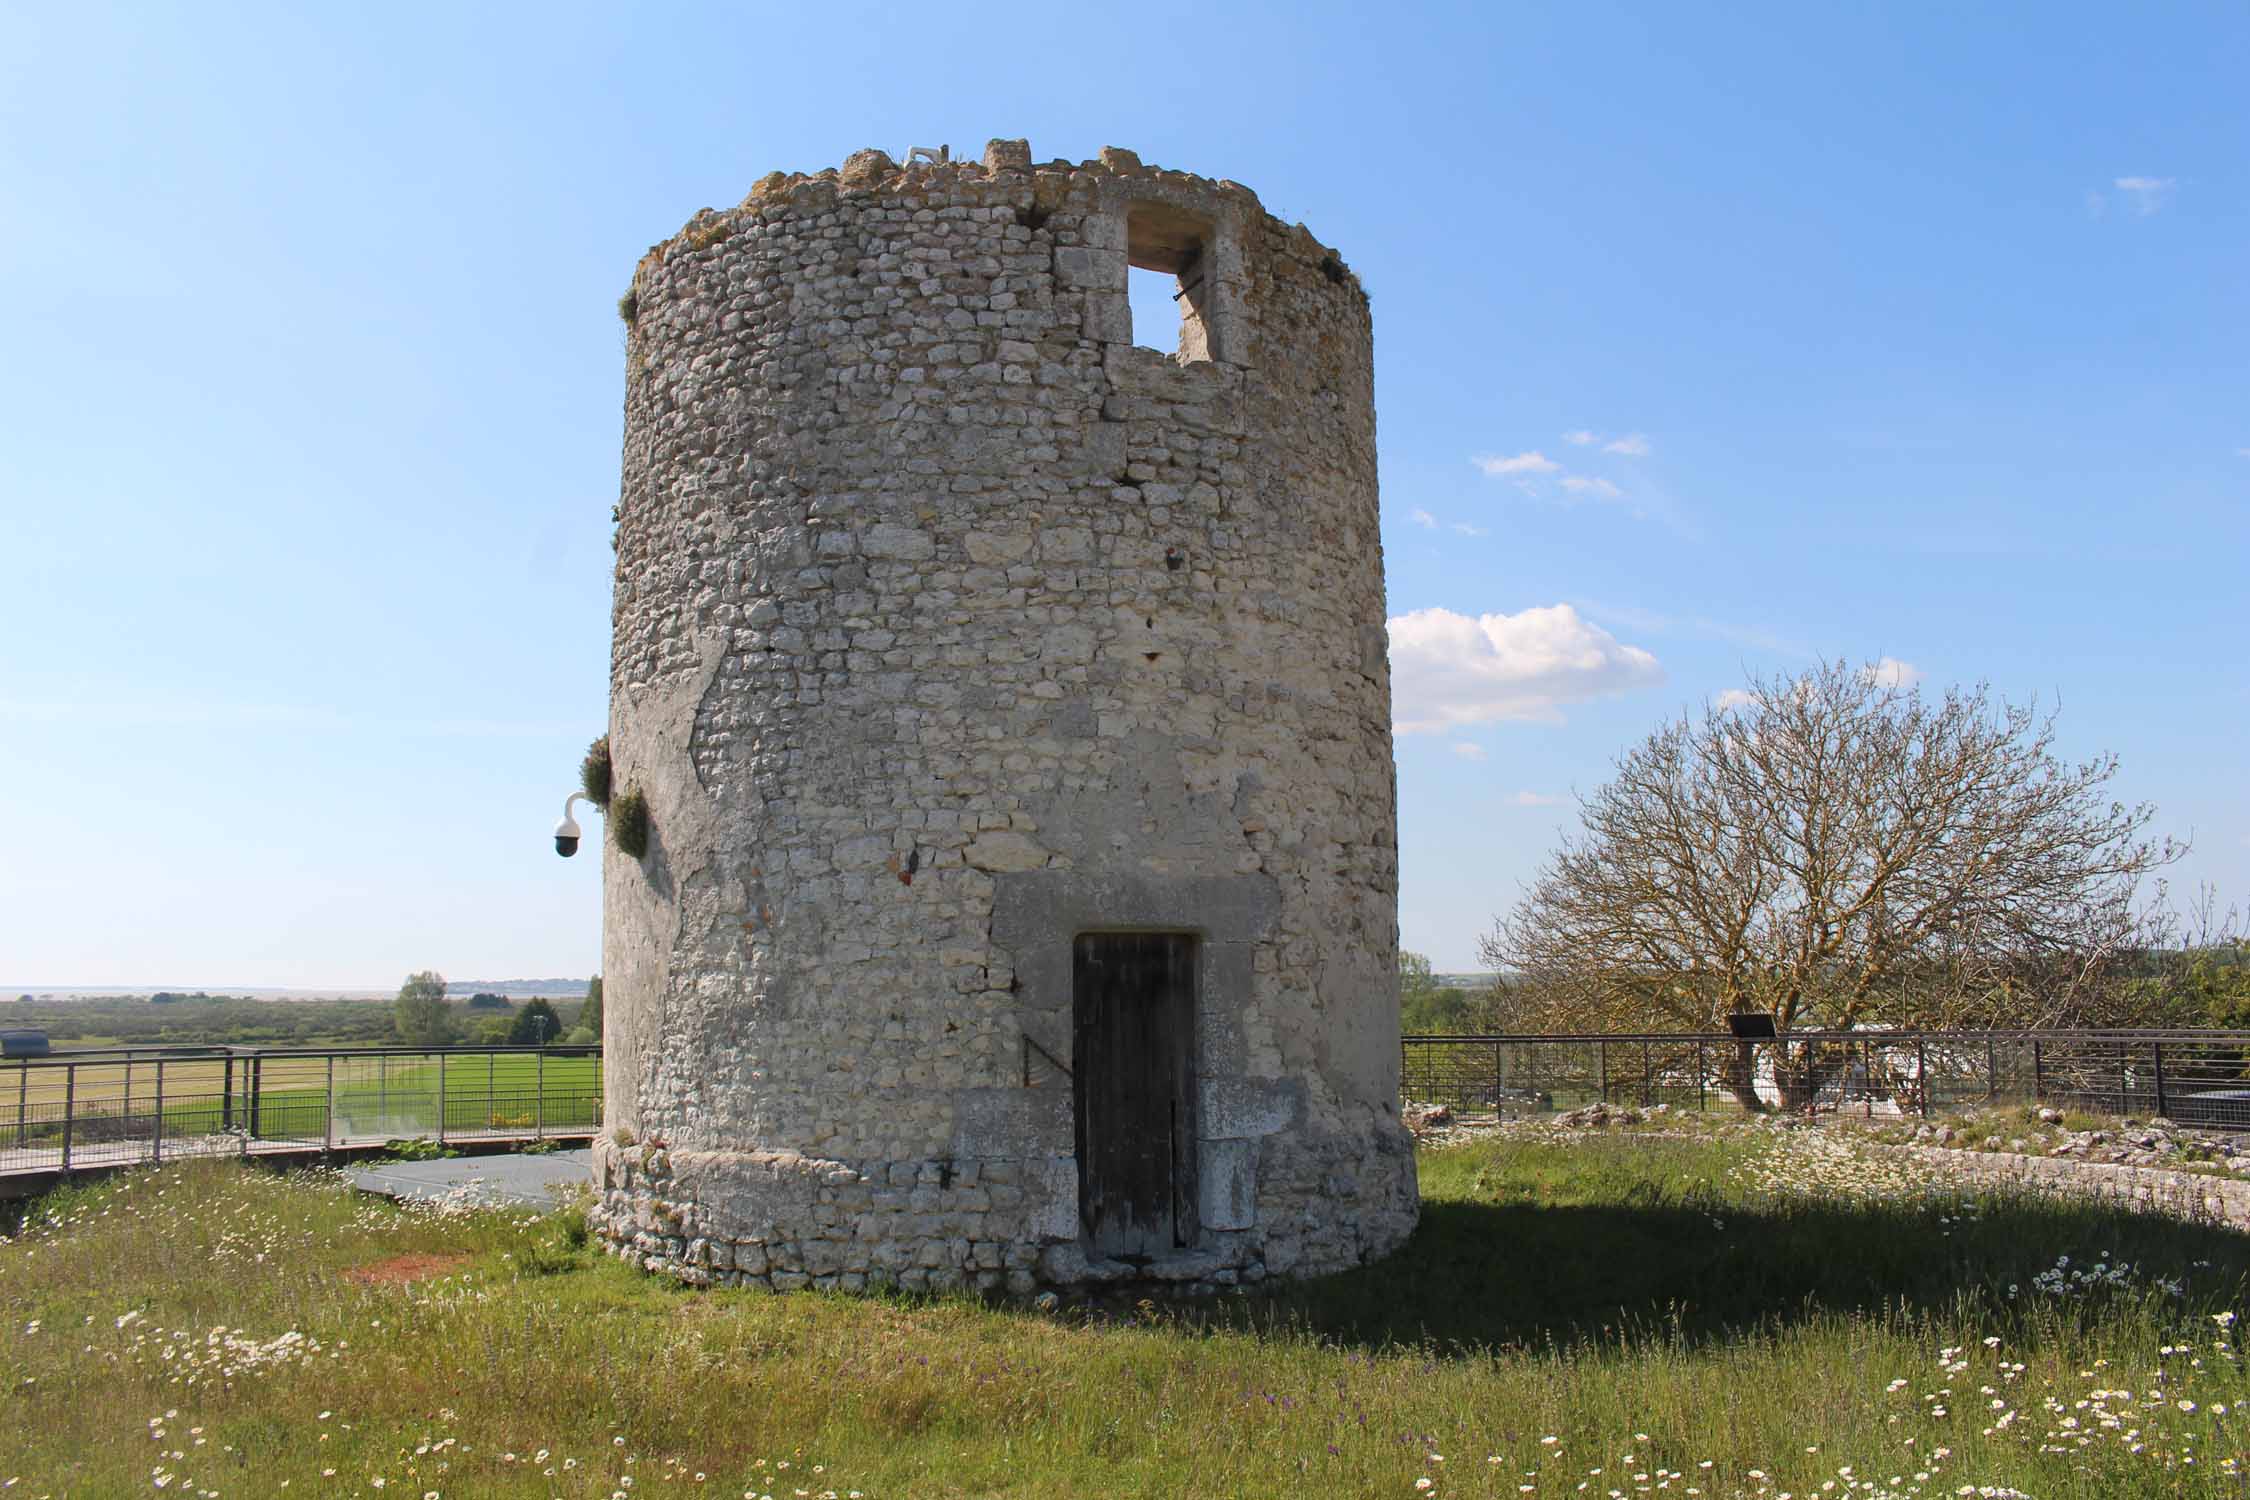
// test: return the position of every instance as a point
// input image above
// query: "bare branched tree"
(1837, 851)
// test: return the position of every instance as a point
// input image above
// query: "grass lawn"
(1750, 1312)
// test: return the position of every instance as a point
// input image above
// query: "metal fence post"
(328, 1109)
(226, 1095)
(2158, 1049)
(1922, 1073)
(2038, 1075)
(441, 1099)
(539, 1110)
(156, 1134)
(1991, 1070)
(69, 1112)
(1701, 1103)
(1601, 1062)
(257, 1084)
(1647, 1082)
(23, 1100)
(491, 1085)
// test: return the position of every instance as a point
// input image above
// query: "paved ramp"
(536, 1181)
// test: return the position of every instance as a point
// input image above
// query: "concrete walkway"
(487, 1181)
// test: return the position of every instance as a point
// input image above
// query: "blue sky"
(1709, 340)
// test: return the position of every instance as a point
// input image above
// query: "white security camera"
(566, 832)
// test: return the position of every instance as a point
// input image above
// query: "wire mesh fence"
(2191, 1077)
(114, 1108)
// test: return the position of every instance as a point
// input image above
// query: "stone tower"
(1012, 710)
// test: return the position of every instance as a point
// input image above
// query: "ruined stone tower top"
(1158, 220)
(1012, 712)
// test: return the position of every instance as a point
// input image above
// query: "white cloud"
(1733, 698)
(1581, 437)
(2242, 453)
(1466, 750)
(2146, 194)
(1632, 445)
(1892, 673)
(1580, 484)
(1533, 462)
(1448, 670)
(1536, 799)
(1467, 530)
(1423, 518)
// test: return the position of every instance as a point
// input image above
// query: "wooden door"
(1133, 998)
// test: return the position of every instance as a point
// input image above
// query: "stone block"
(1053, 1198)
(1081, 268)
(1002, 850)
(1244, 1108)
(1007, 155)
(993, 1122)
(996, 547)
(904, 543)
(1227, 1183)
(1108, 317)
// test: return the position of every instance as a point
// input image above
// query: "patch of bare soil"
(404, 1268)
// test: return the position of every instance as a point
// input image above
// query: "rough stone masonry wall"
(949, 623)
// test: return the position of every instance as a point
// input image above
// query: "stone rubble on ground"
(2133, 1143)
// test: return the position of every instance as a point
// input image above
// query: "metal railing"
(142, 1104)
(2191, 1077)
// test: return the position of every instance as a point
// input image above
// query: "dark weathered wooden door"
(1133, 994)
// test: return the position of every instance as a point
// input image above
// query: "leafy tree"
(420, 1011)
(535, 1025)
(486, 1000)
(1427, 1008)
(1836, 850)
(1414, 976)
(2220, 980)
(579, 1036)
(2196, 968)
(590, 1014)
(494, 1031)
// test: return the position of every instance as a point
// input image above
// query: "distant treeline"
(552, 989)
(231, 1020)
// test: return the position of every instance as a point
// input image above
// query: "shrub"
(416, 1148)
(628, 822)
(593, 772)
(535, 1025)
(712, 231)
(629, 305)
